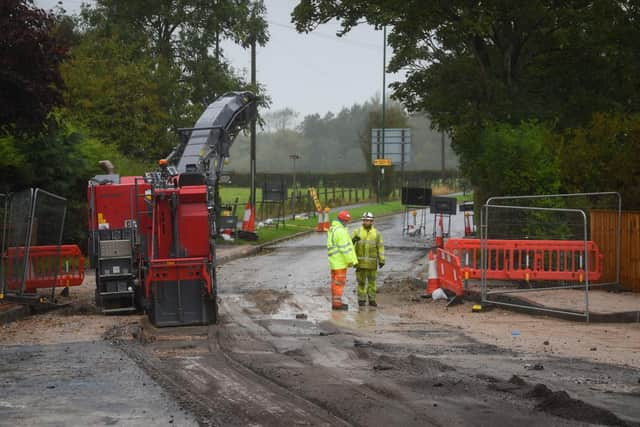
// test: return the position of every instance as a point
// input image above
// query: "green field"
(293, 226)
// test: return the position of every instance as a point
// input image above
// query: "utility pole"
(384, 101)
(294, 157)
(252, 154)
(442, 163)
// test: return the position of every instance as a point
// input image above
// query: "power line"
(335, 38)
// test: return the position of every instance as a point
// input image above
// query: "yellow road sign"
(382, 162)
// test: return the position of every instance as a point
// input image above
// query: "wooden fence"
(604, 233)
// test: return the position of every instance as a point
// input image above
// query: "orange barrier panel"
(449, 272)
(42, 271)
(528, 259)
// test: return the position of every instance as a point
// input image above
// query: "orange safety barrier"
(528, 259)
(449, 272)
(42, 271)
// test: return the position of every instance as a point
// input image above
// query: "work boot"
(342, 307)
(373, 303)
(362, 303)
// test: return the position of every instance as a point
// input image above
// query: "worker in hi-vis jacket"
(370, 252)
(341, 256)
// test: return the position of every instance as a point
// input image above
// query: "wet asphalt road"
(81, 384)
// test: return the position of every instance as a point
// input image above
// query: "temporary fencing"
(529, 259)
(450, 272)
(31, 251)
(48, 266)
(543, 241)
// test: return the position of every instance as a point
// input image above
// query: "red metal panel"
(175, 269)
(193, 194)
(194, 229)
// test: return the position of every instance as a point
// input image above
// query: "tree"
(184, 38)
(514, 160)
(30, 53)
(469, 62)
(280, 120)
(604, 156)
(112, 92)
(478, 65)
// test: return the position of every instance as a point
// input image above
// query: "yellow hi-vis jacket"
(339, 247)
(370, 248)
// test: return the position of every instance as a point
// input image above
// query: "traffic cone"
(433, 282)
(248, 219)
(439, 233)
(467, 224)
(326, 224)
(320, 226)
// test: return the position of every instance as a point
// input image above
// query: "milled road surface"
(280, 356)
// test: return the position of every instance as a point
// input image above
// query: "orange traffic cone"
(320, 226)
(326, 224)
(439, 233)
(248, 219)
(433, 282)
(467, 224)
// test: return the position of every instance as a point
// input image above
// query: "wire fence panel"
(17, 239)
(541, 249)
(35, 218)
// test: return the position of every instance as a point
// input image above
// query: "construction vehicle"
(152, 237)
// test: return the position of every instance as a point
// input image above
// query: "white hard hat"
(367, 215)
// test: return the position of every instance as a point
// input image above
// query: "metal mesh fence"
(541, 247)
(34, 218)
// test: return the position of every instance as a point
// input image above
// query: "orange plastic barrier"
(528, 259)
(42, 271)
(450, 272)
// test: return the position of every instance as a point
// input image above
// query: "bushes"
(504, 159)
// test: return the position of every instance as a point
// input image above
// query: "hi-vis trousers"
(364, 275)
(338, 280)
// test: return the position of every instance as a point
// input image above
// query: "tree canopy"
(473, 65)
(30, 53)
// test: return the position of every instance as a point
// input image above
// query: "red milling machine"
(151, 238)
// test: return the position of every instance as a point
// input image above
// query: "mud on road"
(268, 371)
(280, 356)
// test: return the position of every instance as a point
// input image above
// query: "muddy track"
(270, 372)
(214, 388)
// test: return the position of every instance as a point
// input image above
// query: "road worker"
(341, 255)
(370, 252)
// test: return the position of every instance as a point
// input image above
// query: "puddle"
(363, 317)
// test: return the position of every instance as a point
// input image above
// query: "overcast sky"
(309, 73)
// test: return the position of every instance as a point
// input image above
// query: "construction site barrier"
(554, 260)
(42, 271)
(449, 272)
